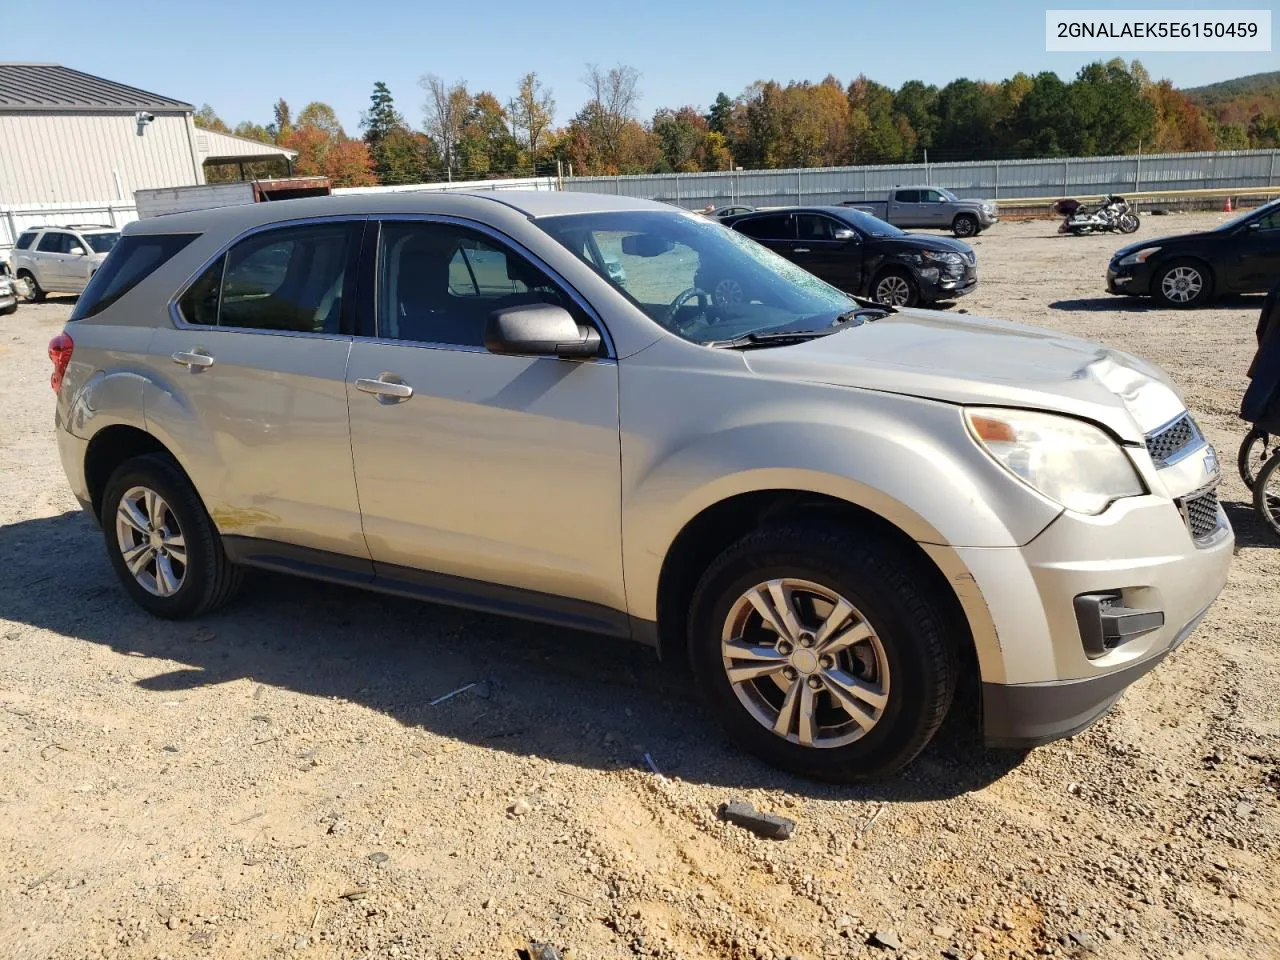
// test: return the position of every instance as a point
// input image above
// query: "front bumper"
(1129, 281)
(1041, 681)
(8, 302)
(935, 285)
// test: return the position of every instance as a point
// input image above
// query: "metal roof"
(45, 87)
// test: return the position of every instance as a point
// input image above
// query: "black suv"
(1189, 270)
(862, 254)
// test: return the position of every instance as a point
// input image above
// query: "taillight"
(60, 348)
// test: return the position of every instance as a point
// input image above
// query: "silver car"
(827, 506)
(60, 259)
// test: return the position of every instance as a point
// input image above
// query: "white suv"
(61, 259)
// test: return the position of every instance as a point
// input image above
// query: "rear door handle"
(387, 391)
(193, 359)
(799, 249)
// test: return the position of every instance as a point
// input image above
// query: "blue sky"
(246, 54)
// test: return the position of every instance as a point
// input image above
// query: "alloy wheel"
(1182, 284)
(893, 290)
(805, 663)
(151, 542)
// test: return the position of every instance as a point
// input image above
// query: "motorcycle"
(1113, 214)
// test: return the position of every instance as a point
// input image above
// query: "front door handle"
(387, 391)
(799, 249)
(195, 359)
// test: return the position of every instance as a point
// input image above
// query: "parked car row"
(616, 416)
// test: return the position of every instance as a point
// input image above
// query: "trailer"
(157, 202)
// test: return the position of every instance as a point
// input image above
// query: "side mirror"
(76, 251)
(540, 330)
(844, 233)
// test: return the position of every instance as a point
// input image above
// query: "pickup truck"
(930, 207)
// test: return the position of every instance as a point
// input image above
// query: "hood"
(1158, 242)
(973, 360)
(924, 241)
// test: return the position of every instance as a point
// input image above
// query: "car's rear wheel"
(965, 225)
(897, 288)
(161, 542)
(820, 652)
(34, 293)
(1256, 449)
(1266, 494)
(1182, 284)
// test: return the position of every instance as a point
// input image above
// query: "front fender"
(909, 461)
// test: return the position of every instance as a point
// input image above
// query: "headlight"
(937, 257)
(1067, 460)
(1139, 256)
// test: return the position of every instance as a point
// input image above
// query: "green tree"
(381, 117)
(918, 104)
(1040, 125)
(878, 136)
(281, 124)
(682, 135)
(1109, 115)
(720, 116)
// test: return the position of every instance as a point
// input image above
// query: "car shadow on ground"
(568, 696)
(1143, 304)
(1248, 526)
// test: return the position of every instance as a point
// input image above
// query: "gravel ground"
(274, 780)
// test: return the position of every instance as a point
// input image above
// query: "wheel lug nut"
(826, 662)
(789, 673)
(814, 683)
(784, 648)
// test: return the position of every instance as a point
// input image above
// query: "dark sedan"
(1189, 270)
(862, 254)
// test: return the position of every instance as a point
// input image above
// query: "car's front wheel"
(965, 225)
(161, 542)
(1182, 284)
(896, 288)
(820, 652)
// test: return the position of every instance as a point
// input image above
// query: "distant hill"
(1256, 84)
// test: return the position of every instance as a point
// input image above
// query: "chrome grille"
(1201, 514)
(1168, 441)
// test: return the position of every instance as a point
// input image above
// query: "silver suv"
(61, 259)
(828, 506)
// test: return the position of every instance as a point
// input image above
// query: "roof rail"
(88, 226)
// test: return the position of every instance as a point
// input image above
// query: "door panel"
(501, 469)
(494, 468)
(1255, 257)
(839, 262)
(263, 432)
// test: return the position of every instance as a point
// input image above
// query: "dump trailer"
(154, 203)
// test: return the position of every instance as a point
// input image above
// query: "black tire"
(1255, 450)
(912, 290)
(880, 580)
(1266, 494)
(1129, 223)
(209, 579)
(965, 225)
(1170, 272)
(35, 293)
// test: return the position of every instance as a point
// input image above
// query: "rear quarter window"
(130, 261)
(25, 241)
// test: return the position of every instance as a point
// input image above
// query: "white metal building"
(70, 137)
(76, 146)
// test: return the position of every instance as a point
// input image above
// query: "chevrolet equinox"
(826, 505)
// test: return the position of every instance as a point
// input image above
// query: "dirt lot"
(274, 780)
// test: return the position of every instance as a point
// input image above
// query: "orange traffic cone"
(1227, 207)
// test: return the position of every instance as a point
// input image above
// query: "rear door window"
(54, 241)
(907, 196)
(293, 279)
(130, 261)
(766, 228)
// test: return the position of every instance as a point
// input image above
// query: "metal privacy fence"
(981, 179)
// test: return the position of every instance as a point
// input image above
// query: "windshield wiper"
(776, 339)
